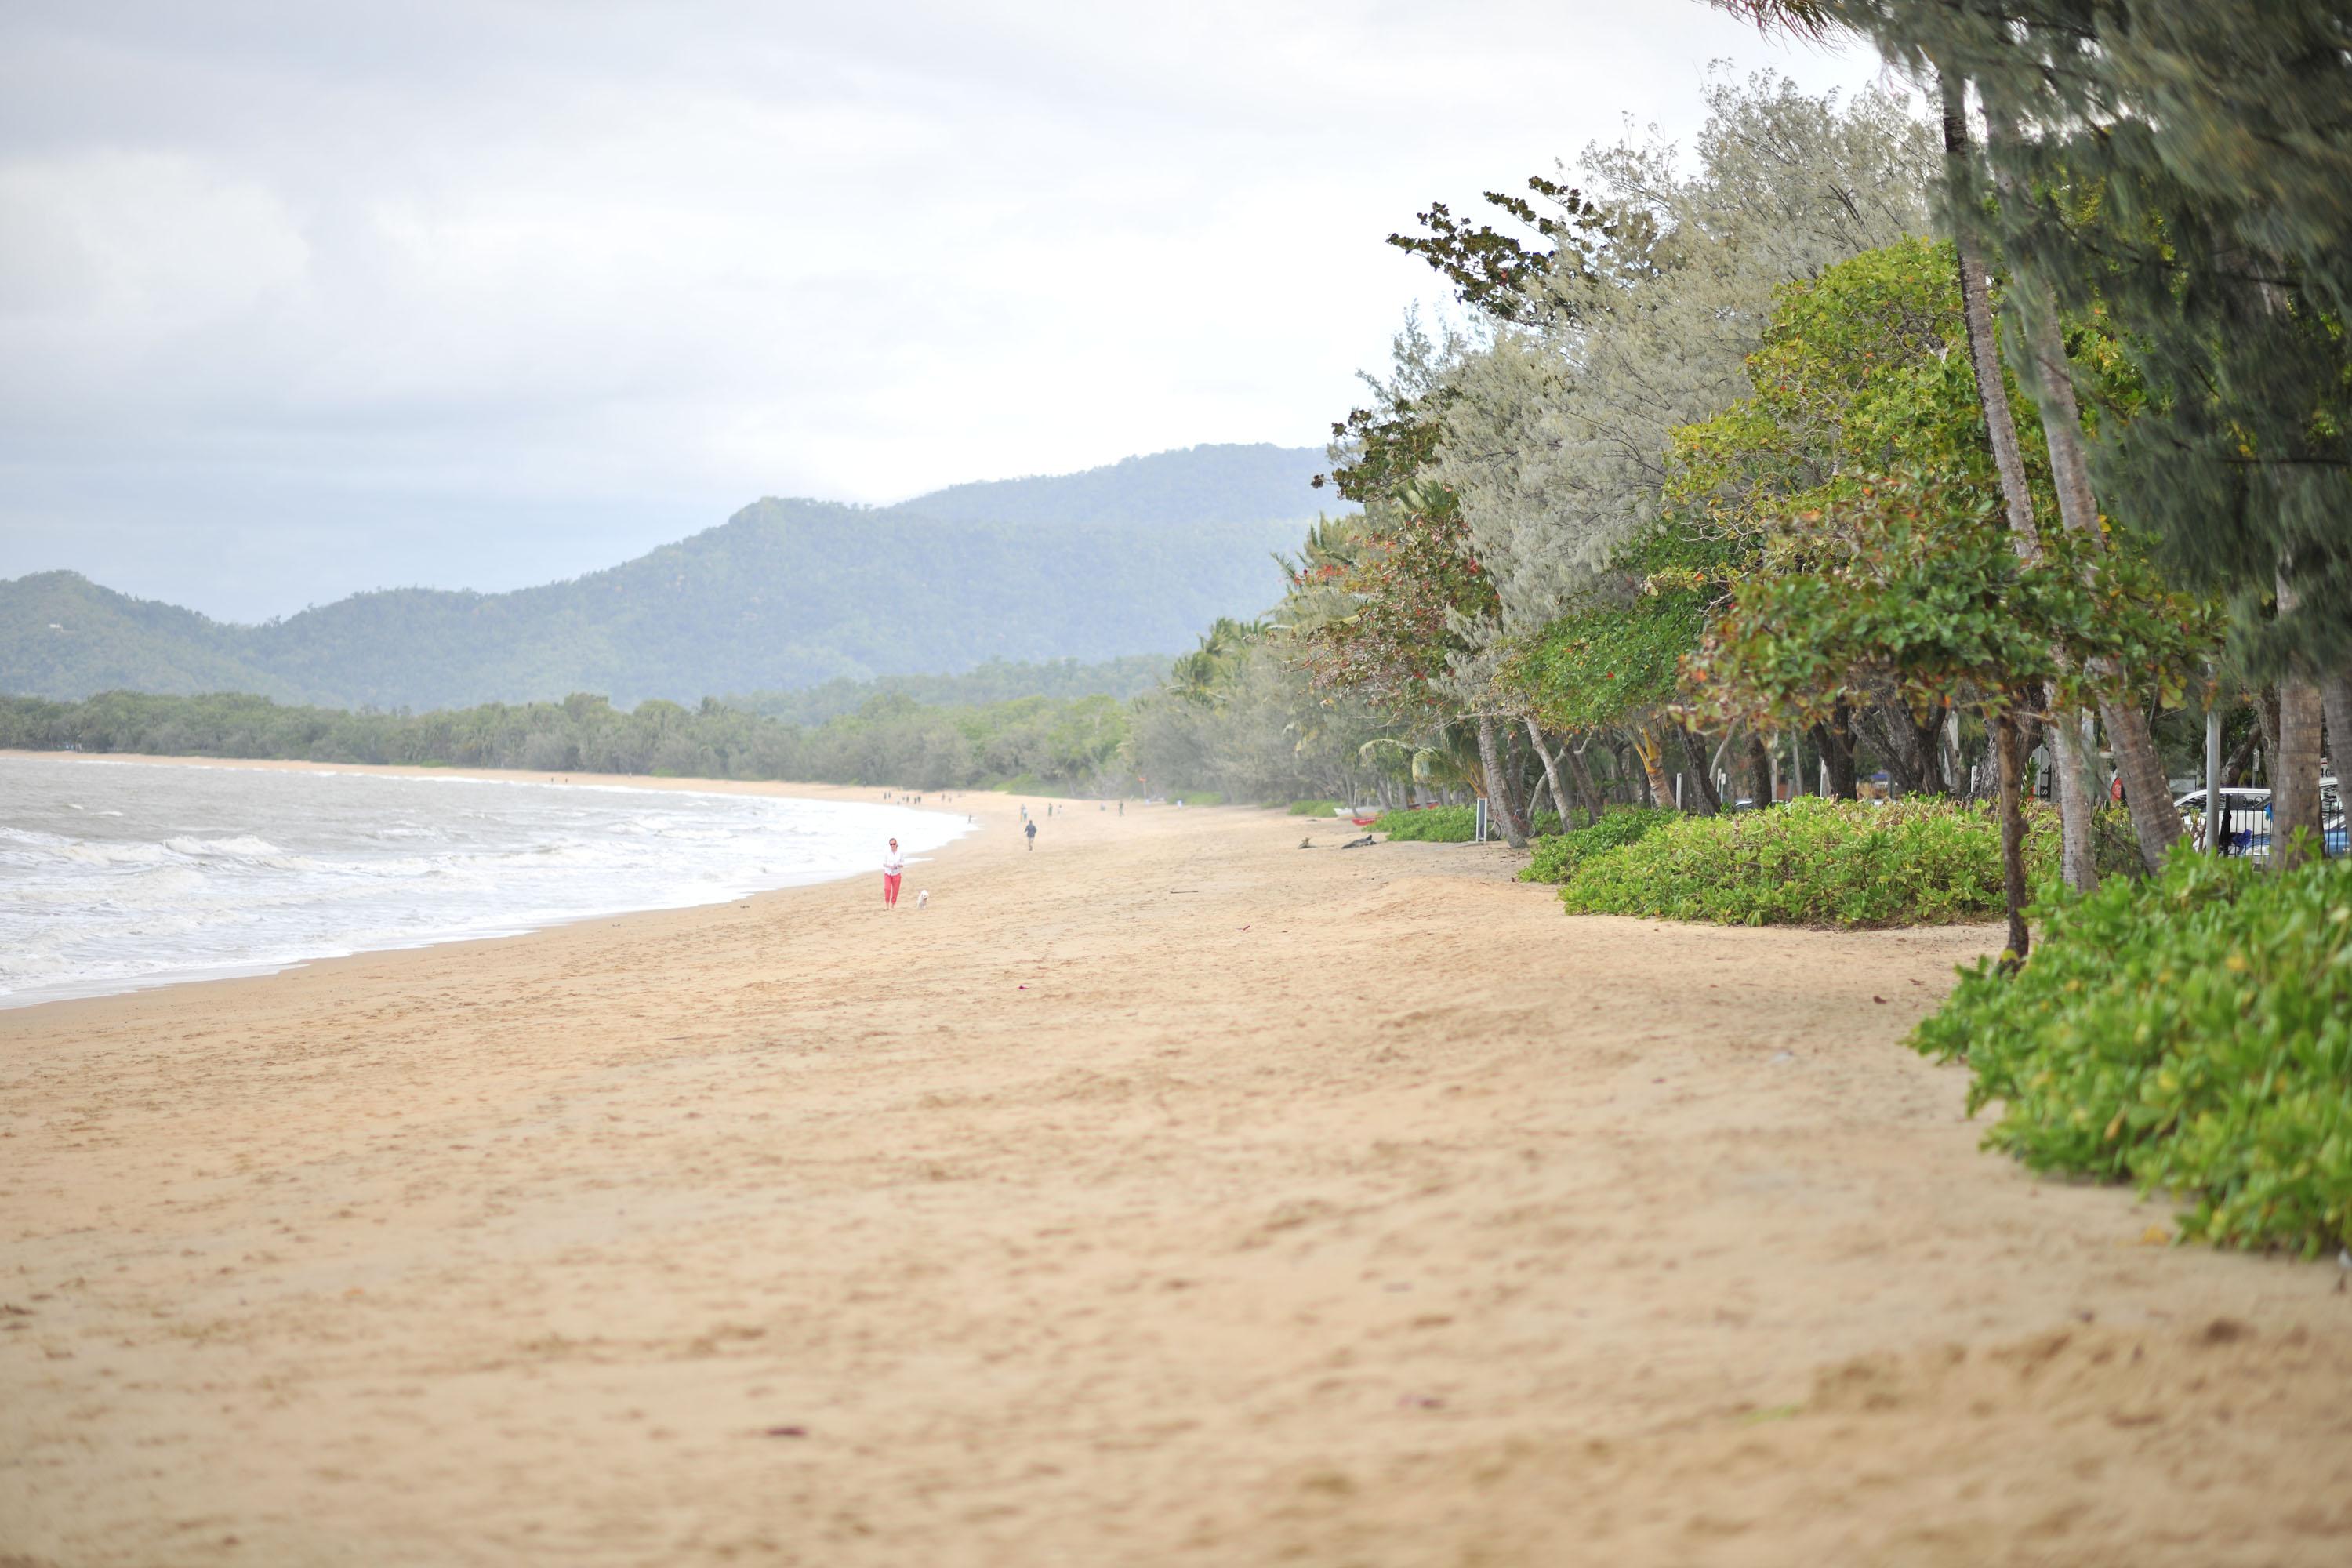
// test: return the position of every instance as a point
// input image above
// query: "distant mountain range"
(1135, 558)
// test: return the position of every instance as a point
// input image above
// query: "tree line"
(1060, 744)
(1860, 444)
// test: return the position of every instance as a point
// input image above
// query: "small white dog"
(923, 898)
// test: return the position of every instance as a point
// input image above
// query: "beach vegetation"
(1557, 857)
(1448, 825)
(2190, 1033)
(1813, 862)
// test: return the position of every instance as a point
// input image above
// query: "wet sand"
(1169, 1194)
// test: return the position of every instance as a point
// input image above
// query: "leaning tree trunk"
(1551, 775)
(1490, 763)
(2147, 789)
(1759, 771)
(1976, 313)
(2008, 462)
(1653, 755)
(2013, 838)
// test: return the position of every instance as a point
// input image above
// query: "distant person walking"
(1032, 831)
(894, 866)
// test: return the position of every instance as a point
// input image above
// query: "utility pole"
(2213, 824)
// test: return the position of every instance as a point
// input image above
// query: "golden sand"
(1169, 1194)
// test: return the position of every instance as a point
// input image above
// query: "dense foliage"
(2191, 1033)
(787, 593)
(1560, 855)
(1040, 744)
(1812, 862)
(1444, 824)
(997, 681)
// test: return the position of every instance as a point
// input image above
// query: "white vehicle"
(2246, 819)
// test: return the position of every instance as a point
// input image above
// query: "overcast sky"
(298, 300)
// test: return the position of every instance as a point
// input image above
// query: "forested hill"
(786, 593)
(1163, 490)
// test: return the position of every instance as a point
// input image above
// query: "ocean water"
(117, 875)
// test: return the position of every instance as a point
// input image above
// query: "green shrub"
(1197, 797)
(1314, 808)
(1448, 825)
(1814, 862)
(1429, 825)
(2191, 1032)
(1558, 855)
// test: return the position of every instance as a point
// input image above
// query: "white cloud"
(319, 282)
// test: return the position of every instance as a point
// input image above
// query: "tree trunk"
(1578, 770)
(1759, 769)
(2294, 776)
(1835, 740)
(2000, 422)
(1646, 746)
(1927, 746)
(1508, 797)
(2077, 860)
(1892, 734)
(1702, 777)
(2267, 720)
(2148, 791)
(2294, 788)
(1976, 312)
(1551, 776)
(2335, 701)
(1490, 763)
(2012, 839)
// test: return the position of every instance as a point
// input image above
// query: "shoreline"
(862, 793)
(840, 794)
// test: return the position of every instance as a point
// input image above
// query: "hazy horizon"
(298, 304)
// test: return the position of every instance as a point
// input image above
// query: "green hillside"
(785, 594)
(62, 634)
(1164, 490)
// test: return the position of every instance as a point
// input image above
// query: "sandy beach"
(1167, 1194)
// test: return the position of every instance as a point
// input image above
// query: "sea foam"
(117, 875)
